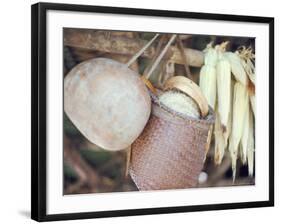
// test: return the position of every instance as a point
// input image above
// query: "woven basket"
(169, 154)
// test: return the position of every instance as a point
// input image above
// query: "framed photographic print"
(139, 111)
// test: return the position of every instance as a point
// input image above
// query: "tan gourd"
(107, 102)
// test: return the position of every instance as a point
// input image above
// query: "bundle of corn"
(235, 102)
(242, 133)
(207, 81)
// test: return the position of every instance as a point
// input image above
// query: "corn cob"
(207, 81)
(251, 91)
(207, 84)
(219, 141)
(245, 135)
(251, 145)
(226, 134)
(223, 86)
(237, 68)
(240, 102)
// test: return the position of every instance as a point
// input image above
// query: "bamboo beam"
(117, 44)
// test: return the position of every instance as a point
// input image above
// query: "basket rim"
(209, 119)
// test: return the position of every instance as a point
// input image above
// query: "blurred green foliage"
(96, 158)
(68, 171)
(68, 127)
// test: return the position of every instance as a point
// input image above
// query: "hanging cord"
(155, 64)
(146, 81)
(158, 49)
(140, 52)
(184, 58)
(146, 76)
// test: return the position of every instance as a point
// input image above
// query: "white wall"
(15, 110)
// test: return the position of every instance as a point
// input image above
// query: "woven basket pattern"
(170, 151)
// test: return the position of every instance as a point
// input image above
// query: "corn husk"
(237, 68)
(244, 140)
(208, 84)
(247, 57)
(251, 90)
(250, 68)
(227, 133)
(240, 152)
(223, 86)
(219, 141)
(207, 81)
(251, 145)
(253, 103)
(240, 102)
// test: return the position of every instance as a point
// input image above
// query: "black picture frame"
(39, 116)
